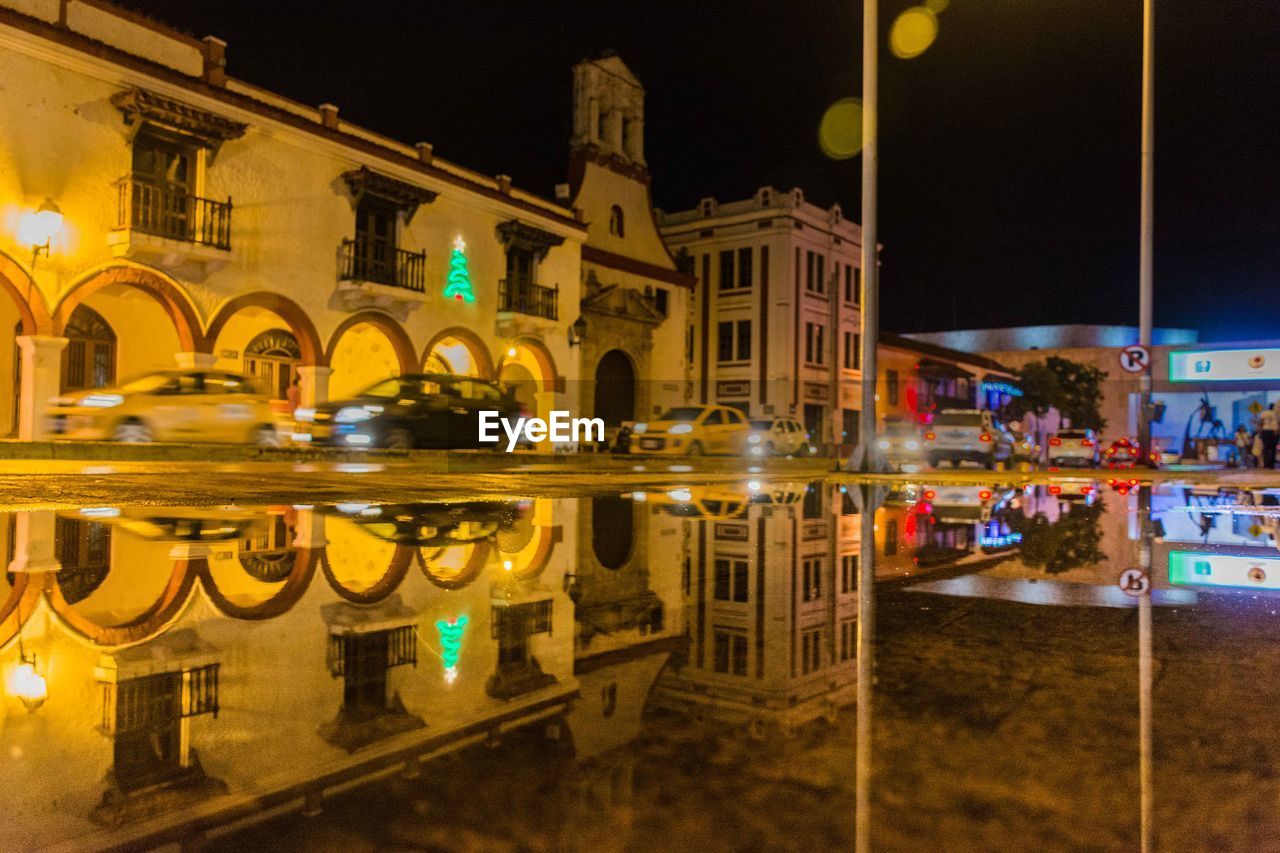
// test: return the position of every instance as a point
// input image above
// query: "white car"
(902, 446)
(777, 437)
(967, 435)
(1074, 447)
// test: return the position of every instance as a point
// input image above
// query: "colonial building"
(774, 321)
(633, 298)
(155, 211)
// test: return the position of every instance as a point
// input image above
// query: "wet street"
(595, 670)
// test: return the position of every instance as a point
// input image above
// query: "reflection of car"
(965, 503)
(177, 524)
(1125, 453)
(169, 405)
(1073, 490)
(1073, 447)
(692, 431)
(777, 437)
(967, 435)
(720, 502)
(901, 444)
(434, 525)
(1025, 451)
(425, 410)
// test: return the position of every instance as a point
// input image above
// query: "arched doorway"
(273, 358)
(527, 369)
(459, 352)
(615, 389)
(612, 533)
(89, 360)
(367, 348)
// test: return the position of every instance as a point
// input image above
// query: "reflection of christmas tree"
(459, 286)
(451, 645)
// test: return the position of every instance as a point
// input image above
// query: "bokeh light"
(840, 134)
(913, 32)
(937, 7)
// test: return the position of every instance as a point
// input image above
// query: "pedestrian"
(294, 394)
(1244, 442)
(622, 442)
(1269, 432)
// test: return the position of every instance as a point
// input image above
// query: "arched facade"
(166, 292)
(436, 351)
(356, 355)
(615, 389)
(310, 350)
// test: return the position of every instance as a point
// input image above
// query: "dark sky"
(1009, 150)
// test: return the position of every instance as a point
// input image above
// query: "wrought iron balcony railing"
(367, 260)
(525, 297)
(174, 213)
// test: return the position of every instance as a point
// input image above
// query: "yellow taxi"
(693, 431)
(168, 405)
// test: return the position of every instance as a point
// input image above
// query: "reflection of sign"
(1224, 365)
(733, 389)
(815, 392)
(1135, 358)
(1214, 569)
(451, 645)
(1134, 582)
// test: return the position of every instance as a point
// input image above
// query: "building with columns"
(774, 319)
(634, 300)
(156, 211)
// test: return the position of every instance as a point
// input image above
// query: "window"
(891, 386)
(744, 340)
(852, 284)
(90, 357)
(726, 270)
(891, 538)
(822, 274)
(731, 580)
(660, 301)
(810, 651)
(849, 573)
(616, 226)
(814, 348)
(852, 351)
(744, 267)
(730, 652)
(847, 506)
(850, 425)
(812, 502)
(715, 416)
(810, 263)
(812, 579)
(724, 346)
(848, 640)
(144, 715)
(764, 266)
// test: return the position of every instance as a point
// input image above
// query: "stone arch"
(475, 564)
(384, 323)
(152, 622)
(548, 378)
(171, 297)
(479, 351)
(33, 311)
(399, 566)
(299, 579)
(312, 351)
(615, 388)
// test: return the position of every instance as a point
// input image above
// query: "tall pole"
(1148, 200)
(1144, 674)
(870, 262)
(866, 665)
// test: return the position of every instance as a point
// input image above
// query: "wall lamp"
(578, 332)
(38, 228)
(27, 683)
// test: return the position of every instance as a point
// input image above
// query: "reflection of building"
(774, 318)
(769, 601)
(917, 380)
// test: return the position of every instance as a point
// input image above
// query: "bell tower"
(608, 110)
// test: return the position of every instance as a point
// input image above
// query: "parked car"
(968, 435)
(777, 437)
(1078, 447)
(901, 445)
(436, 410)
(693, 431)
(168, 405)
(1125, 453)
(1026, 453)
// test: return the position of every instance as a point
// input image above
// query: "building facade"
(774, 319)
(203, 221)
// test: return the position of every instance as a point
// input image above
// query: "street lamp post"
(869, 259)
(1145, 242)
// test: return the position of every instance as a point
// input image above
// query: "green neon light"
(451, 645)
(459, 286)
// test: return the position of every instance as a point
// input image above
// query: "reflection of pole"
(870, 257)
(866, 668)
(1144, 246)
(1144, 674)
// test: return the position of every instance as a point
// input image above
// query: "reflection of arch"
(386, 584)
(479, 352)
(170, 296)
(309, 348)
(393, 331)
(617, 224)
(612, 530)
(163, 611)
(547, 539)
(615, 388)
(27, 298)
(461, 577)
(18, 607)
(303, 569)
(547, 378)
(269, 566)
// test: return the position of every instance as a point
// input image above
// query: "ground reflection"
(614, 671)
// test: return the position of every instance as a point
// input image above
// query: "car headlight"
(681, 429)
(306, 415)
(352, 415)
(101, 401)
(754, 438)
(639, 428)
(681, 495)
(884, 444)
(913, 445)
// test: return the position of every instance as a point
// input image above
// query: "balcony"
(524, 297)
(376, 275)
(171, 228)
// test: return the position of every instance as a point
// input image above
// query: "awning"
(931, 369)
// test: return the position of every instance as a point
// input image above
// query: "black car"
(434, 410)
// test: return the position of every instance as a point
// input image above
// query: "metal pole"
(866, 668)
(1145, 243)
(870, 255)
(1144, 673)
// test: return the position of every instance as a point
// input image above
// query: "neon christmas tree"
(451, 645)
(459, 286)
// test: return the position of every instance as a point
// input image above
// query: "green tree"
(1040, 389)
(1074, 389)
(1074, 540)
(459, 285)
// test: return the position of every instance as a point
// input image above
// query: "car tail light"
(1111, 451)
(1055, 490)
(1084, 490)
(983, 495)
(1086, 442)
(928, 436)
(1055, 442)
(930, 494)
(986, 436)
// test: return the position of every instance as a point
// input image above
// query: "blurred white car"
(777, 437)
(1078, 447)
(902, 445)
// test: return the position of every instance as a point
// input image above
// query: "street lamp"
(38, 228)
(27, 683)
(578, 332)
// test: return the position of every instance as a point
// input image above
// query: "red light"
(1084, 490)
(984, 494)
(928, 436)
(1054, 442)
(930, 494)
(1055, 490)
(1086, 442)
(1133, 482)
(986, 436)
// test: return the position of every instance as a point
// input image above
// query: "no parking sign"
(1135, 358)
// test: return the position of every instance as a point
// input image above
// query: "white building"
(774, 319)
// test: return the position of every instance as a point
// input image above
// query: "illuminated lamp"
(38, 228)
(27, 683)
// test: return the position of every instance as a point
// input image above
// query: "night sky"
(1009, 150)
